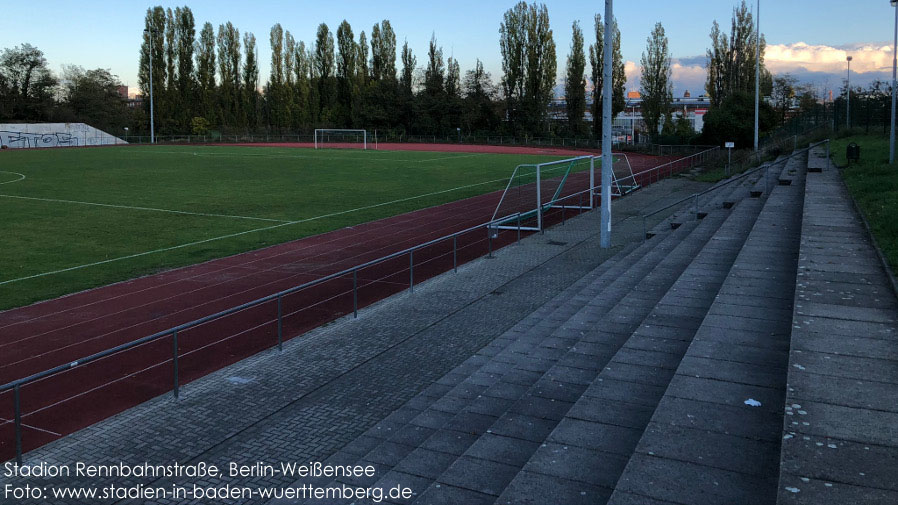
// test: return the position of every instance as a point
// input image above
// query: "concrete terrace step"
(839, 437)
(498, 453)
(426, 435)
(504, 363)
(589, 448)
(723, 197)
(715, 435)
(500, 373)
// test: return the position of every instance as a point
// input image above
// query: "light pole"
(757, 69)
(607, 161)
(894, 90)
(152, 33)
(848, 106)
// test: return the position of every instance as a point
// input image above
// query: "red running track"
(55, 332)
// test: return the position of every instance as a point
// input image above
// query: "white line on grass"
(150, 209)
(21, 177)
(232, 235)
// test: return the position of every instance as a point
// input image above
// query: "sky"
(806, 38)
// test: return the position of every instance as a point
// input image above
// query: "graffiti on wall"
(28, 140)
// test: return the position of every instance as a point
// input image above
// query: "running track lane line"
(474, 207)
(467, 209)
(286, 223)
(292, 253)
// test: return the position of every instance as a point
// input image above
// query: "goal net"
(341, 139)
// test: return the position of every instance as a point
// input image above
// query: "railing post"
(644, 231)
(17, 407)
(280, 325)
(411, 271)
(695, 205)
(562, 214)
(519, 227)
(176, 389)
(489, 242)
(355, 294)
(455, 253)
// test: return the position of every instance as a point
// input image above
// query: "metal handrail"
(694, 196)
(16, 385)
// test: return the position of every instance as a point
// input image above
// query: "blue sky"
(105, 34)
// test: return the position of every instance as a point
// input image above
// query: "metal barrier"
(694, 197)
(16, 385)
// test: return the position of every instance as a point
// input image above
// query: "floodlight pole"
(894, 90)
(152, 33)
(607, 162)
(848, 103)
(757, 69)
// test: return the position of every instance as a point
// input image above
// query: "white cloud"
(866, 57)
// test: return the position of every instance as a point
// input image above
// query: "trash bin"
(853, 152)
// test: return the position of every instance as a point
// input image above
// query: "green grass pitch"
(111, 208)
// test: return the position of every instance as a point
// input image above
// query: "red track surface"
(55, 332)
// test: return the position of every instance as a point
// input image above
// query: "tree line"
(208, 78)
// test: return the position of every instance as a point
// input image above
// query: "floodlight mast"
(848, 104)
(757, 70)
(607, 162)
(894, 90)
(152, 32)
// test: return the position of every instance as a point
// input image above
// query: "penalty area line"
(149, 209)
(237, 234)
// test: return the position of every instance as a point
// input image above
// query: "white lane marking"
(21, 177)
(149, 209)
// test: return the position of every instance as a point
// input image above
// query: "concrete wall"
(24, 136)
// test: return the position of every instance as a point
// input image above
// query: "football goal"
(341, 139)
(573, 183)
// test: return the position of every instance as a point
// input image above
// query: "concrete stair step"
(590, 446)
(537, 413)
(713, 437)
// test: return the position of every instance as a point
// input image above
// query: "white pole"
(894, 91)
(539, 200)
(592, 180)
(152, 126)
(607, 99)
(757, 69)
(848, 105)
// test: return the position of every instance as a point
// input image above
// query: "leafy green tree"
(618, 75)
(251, 102)
(734, 120)
(656, 86)
(784, 90)
(185, 35)
(347, 53)
(732, 57)
(324, 70)
(229, 72)
(29, 84)
(205, 73)
(575, 82)
(92, 97)
(480, 111)
(529, 65)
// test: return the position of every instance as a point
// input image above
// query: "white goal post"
(340, 138)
